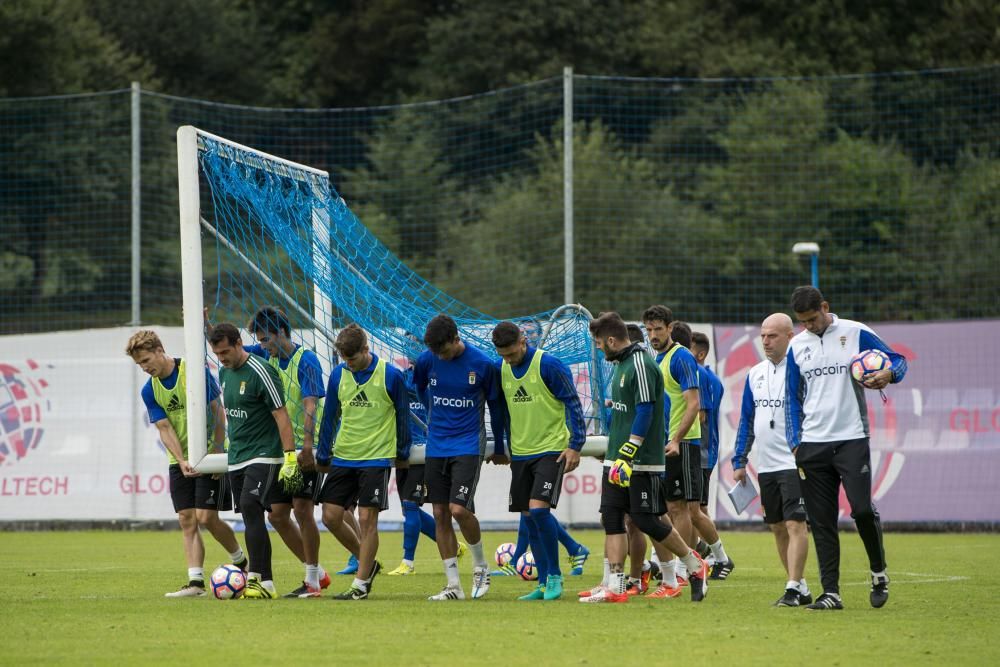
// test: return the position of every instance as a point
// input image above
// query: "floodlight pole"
(812, 249)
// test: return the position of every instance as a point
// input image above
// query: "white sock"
(407, 563)
(792, 585)
(269, 585)
(253, 575)
(196, 574)
(237, 555)
(312, 575)
(617, 582)
(803, 587)
(682, 570)
(880, 574)
(719, 552)
(478, 560)
(645, 566)
(451, 571)
(690, 563)
(669, 570)
(653, 558)
(360, 584)
(605, 581)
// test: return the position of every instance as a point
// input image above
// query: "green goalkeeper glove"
(290, 474)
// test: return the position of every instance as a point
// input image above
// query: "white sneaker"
(480, 582)
(449, 593)
(605, 594)
(188, 590)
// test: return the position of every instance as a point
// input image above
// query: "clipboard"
(742, 494)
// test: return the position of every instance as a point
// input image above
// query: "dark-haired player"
(827, 429)
(457, 381)
(634, 462)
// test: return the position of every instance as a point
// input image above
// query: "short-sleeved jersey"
(456, 393)
(680, 373)
(710, 392)
(302, 377)
(637, 379)
(250, 394)
(155, 411)
(172, 405)
(823, 403)
(762, 420)
(310, 369)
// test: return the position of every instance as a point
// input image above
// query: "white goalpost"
(191, 224)
(289, 239)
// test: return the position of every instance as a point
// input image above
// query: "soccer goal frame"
(192, 279)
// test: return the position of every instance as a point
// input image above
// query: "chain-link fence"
(685, 192)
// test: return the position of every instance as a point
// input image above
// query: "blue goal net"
(283, 236)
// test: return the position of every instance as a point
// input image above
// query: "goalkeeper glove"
(620, 473)
(290, 474)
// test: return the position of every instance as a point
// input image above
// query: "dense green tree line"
(688, 192)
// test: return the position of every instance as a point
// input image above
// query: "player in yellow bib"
(547, 431)
(302, 378)
(365, 428)
(197, 498)
(683, 451)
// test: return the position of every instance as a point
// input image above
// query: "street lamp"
(811, 249)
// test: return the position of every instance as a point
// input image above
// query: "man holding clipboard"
(762, 425)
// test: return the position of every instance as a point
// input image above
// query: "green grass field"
(97, 598)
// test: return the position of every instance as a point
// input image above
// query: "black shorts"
(312, 483)
(644, 494)
(781, 496)
(539, 478)
(452, 479)
(203, 493)
(366, 487)
(410, 484)
(706, 477)
(254, 483)
(684, 474)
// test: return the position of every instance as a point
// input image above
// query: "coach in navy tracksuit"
(826, 419)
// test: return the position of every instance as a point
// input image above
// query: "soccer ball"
(228, 582)
(505, 553)
(526, 567)
(868, 361)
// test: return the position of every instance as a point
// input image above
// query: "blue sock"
(548, 534)
(522, 539)
(427, 525)
(537, 550)
(571, 545)
(411, 529)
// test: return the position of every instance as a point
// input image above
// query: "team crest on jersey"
(760, 383)
(807, 354)
(243, 387)
(472, 377)
(843, 341)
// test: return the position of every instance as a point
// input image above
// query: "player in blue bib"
(456, 382)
